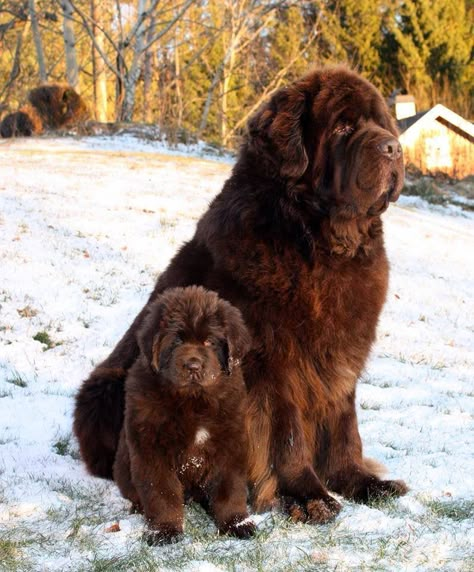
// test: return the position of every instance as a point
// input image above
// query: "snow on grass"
(85, 227)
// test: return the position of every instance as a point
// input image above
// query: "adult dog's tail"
(98, 418)
(100, 404)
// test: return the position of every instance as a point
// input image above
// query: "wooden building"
(438, 141)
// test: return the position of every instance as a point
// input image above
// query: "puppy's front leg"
(159, 489)
(229, 505)
(122, 474)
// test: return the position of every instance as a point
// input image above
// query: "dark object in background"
(20, 124)
(50, 107)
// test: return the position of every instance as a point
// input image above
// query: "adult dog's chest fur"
(319, 320)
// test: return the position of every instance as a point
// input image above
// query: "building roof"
(437, 113)
(405, 98)
(404, 124)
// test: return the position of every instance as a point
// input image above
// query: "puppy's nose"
(390, 148)
(193, 365)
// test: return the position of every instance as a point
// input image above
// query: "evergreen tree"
(434, 43)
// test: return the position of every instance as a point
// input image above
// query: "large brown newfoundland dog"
(295, 241)
(186, 403)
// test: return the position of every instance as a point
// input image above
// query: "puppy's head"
(192, 338)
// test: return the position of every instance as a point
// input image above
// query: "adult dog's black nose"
(390, 148)
(193, 365)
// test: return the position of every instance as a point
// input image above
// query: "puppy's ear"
(237, 335)
(148, 335)
(276, 130)
(223, 354)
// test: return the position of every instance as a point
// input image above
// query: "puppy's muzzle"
(193, 366)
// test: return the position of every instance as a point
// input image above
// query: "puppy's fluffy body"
(184, 432)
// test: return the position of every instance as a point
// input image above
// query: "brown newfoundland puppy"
(295, 241)
(185, 408)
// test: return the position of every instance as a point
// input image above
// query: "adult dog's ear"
(276, 130)
(68, 94)
(237, 335)
(148, 335)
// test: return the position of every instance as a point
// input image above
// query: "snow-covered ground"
(85, 227)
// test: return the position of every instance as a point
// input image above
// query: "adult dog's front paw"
(376, 489)
(322, 510)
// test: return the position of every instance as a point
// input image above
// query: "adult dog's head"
(192, 338)
(58, 105)
(330, 135)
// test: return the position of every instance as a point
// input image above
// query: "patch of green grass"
(64, 448)
(388, 503)
(167, 224)
(45, 339)
(16, 379)
(9, 554)
(454, 510)
(12, 558)
(141, 558)
(370, 406)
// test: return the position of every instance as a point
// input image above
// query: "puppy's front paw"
(240, 526)
(165, 533)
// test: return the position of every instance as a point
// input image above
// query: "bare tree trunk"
(148, 74)
(133, 73)
(177, 71)
(98, 64)
(15, 71)
(245, 21)
(72, 69)
(227, 75)
(38, 43)
(207, 106)
(135, 41)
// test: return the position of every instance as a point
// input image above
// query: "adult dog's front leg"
(348, 473)
(306, 498)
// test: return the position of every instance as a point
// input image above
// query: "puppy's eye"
(343, 129)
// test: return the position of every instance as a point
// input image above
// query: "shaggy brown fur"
(295, 241)
(50, 107)
(184, 430)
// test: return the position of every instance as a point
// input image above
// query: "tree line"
(199, 68)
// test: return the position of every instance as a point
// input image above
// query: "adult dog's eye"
(343, 129)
